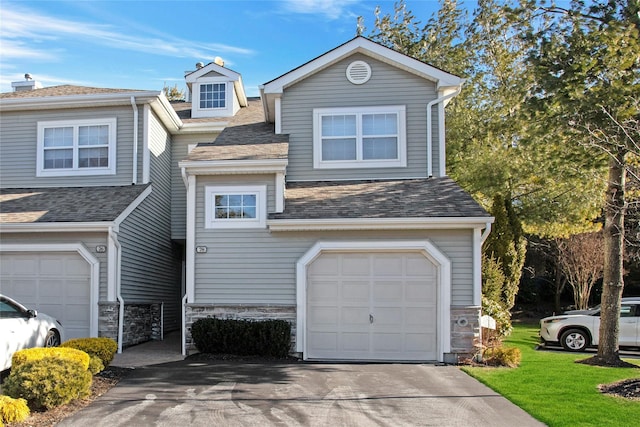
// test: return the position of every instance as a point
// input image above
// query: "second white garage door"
(372, 306)
(56, 283)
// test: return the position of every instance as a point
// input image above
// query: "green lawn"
(557, 391)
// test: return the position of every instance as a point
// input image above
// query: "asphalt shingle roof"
(71, 204)
(412, 198)
(63, 90)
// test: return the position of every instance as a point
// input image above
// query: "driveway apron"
(223, 393)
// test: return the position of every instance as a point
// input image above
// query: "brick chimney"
(27, 84)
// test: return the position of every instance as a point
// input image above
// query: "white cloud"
(23, 27)
(332, 9)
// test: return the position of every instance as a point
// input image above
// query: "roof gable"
(367, 47)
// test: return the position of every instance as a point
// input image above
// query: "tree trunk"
(613, 261)
(560, 283)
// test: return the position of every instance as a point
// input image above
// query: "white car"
(23, 328)
(576, 332)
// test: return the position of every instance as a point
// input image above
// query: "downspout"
(189, 253)
(135, 140)
(114, 238)
(430, 129)
(485, 233)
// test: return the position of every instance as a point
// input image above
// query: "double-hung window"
(77, 147)
(236, 206)
(213, 95)
(359, 137)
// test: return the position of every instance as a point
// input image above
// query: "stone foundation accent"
(108, 319)
(194, 312)
(142, 322)
(465, 332)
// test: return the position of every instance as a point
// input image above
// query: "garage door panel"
(57, 283)
(416, 290)
(353, 265)
(355, 290)
(323, 316)
(322, 290)
(388, 291)
(398, 291)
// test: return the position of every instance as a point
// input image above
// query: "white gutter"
(430, 130)
(118, 259)
(135, 140)
(55, 227)
(377, 223)
(485, 233)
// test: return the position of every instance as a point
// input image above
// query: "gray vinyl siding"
(330, 88)
(256, 266)
(151, 265)
(89, 240)
(179, 150)
(18, 147)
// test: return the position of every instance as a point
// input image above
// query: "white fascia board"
(234, 167)
(56, 227)
(378, 224)
(202, 127)
(212, 66)
(162, 107)
(366, 47)
(76, 101)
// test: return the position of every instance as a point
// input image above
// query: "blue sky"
(147, 44)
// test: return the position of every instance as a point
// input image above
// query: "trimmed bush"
(502, 356)
(13, 410)
(270, 338)
(104, 348)
(95, 365)
(38, 353)
(48, 382)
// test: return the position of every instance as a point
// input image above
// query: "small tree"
(173, 93)
(581, 260)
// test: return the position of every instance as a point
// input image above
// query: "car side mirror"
(32, 313)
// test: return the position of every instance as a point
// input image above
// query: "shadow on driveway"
(234, 393)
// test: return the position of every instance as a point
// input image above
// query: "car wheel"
(52, 339)
(574, 340)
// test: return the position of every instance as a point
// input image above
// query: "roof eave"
(233, 167)
(56, 227)
(342, 224)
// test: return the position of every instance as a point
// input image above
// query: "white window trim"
(260, 191)
(75, 171)
(212, 112)
(401, 161)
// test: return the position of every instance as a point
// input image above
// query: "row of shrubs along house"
(324, 202)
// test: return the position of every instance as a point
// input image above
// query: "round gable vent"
(358, 72)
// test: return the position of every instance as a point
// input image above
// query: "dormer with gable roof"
(215, 91)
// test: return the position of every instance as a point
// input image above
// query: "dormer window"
(213, 95)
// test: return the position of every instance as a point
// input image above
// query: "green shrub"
(95, 365)
(37, 353)
(242, 337)
(13, 410)
(48, 382)
(502, 356)
(104, 348)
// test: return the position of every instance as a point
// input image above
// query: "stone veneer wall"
(142, 322)
(243, 312)
(465, 332)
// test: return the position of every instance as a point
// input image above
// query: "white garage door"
(372, 306)
(56, 283)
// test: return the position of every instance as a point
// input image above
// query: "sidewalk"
(151, 352)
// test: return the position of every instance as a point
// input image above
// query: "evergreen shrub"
(101, 347)
(48, 382)
(13, 410)
(270, 338)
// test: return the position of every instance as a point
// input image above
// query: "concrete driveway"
(222, 393)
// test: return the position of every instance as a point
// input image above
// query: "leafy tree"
(587, 67)
(173, 93)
